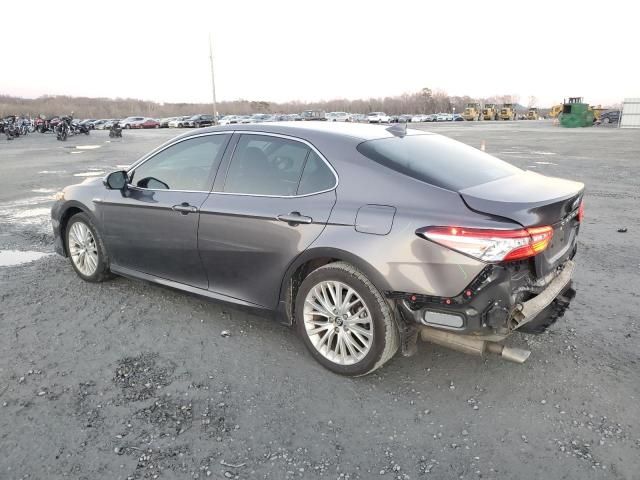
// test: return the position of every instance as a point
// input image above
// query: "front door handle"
(294, 218)
(184, 208)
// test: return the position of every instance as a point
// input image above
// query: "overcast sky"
(321, 49)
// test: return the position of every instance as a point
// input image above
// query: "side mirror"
(116, 180)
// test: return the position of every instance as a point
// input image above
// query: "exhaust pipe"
(473, 346)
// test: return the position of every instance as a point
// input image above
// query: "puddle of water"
(25, 202)
(43, 190)
(546, 163)
(543, 153)
(88, 147)
(16, 257)
(74, 152)
(95, 173)
(28, 212)
(32, 212)
(53, 171)
(122, 166)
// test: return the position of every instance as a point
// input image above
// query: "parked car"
(359, 118)
(164, 122)
(179, 122)
(294, 117)
(610, 116)
(338, 117)
(362, 238)
(130, 121)
(405, 118)
(88, 123)
(229, 120)
(99, 124)
(260, 118)
(145, 123)
(198, 121)
(378, 117)
(442, 117)
(418, 118)
(314, 115)
(109, 123)
(458, 118)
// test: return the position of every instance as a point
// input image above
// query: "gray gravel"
(130, 380)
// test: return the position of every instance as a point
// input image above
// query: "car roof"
(311, 129)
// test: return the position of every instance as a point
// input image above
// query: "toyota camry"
(364, 238)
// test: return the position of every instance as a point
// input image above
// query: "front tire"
(86, 250)
(344, 320)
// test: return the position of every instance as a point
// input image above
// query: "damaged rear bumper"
(491, 304)
(559, 288)
(488, 311)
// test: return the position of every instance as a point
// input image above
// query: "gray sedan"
(363, 237)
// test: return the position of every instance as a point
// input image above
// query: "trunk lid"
(534, 200)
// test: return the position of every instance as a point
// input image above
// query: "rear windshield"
(437, 160)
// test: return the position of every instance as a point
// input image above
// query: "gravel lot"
(130, 380)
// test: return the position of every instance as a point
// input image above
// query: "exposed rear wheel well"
(298, 277)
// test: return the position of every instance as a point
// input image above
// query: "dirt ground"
(129, 380)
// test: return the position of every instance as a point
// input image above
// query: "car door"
(273, 202)
(152, 226)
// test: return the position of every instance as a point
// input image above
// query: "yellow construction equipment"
(490, 111)
(597, 111)
(508, 112)
(555, 111)
(532, 114)
(472, 112)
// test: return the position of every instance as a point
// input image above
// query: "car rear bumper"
(489, 305)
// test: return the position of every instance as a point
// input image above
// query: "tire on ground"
(386, 338)
(102, 272)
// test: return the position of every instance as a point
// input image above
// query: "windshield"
(437, 160)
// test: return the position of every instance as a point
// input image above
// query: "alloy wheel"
(338, 322)
(83, 249)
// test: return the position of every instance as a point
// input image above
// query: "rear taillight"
(581, 211)
(491, 245)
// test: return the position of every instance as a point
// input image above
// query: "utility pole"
(213, 82)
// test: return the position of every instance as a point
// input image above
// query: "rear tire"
(86, 250)
(361, 337)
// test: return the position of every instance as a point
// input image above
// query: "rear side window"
(316, 177)
(437, 160)
(266, 165)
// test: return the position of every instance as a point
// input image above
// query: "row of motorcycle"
(13, 127)
(64, 127)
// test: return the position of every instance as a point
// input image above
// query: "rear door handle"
(184, 208)
(294, 218)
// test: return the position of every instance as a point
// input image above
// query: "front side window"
(187, 165)
(266, 165)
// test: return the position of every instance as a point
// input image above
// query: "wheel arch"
(310, 260)
(72, 208)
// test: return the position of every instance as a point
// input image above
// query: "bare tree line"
(424, 101)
